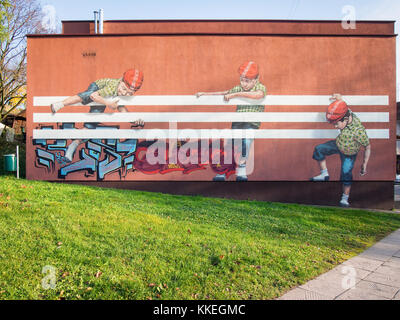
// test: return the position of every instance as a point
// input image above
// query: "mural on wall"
(249, 87)
(131, 154)
(106, 150)
(351, 139)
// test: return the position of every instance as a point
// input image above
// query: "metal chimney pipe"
(95, 21)
(101, 20)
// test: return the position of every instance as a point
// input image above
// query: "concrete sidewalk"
(372, 275)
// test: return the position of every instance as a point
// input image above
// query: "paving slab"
(391, 240)
(345, 270)
(364, 263)
(334, 282)
(301, 294)
(366, 290)
(389, 280)
(360, 295)
(392, 262)
(394, 234)
(390, 271)
(380, 251)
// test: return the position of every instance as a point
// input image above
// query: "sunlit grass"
(119, 244)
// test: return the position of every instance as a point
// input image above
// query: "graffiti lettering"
(101, 158)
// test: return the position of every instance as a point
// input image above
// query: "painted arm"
(219, 93)
(112, 104)
(367, 154)
(259, 94)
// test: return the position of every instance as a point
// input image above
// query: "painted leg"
(324, 176)
(61, 104)
(241, 174)
(344, 202)
(69, 154)
(346, 176)
(320, 153)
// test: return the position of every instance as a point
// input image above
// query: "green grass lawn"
(118, 244)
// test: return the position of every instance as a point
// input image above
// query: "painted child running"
(351, 139)
(251, 88)
(101, 91)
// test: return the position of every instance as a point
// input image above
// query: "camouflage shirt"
(352, 137)
(108, 87)
(250, 108)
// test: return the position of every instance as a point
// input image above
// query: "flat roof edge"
(80, 35)
(228, 20)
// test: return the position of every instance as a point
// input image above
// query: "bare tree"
(21, 17)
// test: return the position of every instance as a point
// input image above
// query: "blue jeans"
(246, 142)
(329, 148)
(94, 109)
(85, 96)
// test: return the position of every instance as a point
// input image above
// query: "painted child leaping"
(101, 91)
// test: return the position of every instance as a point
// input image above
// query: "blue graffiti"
(87, 163)
(97, 156)
(61, 159)
(45, 158)
(118, 156)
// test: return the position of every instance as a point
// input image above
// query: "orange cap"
(133, 78)
(249, 70)
(336, 111)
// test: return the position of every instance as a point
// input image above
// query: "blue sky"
(58, 10)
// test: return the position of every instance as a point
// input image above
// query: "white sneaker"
(344, 203)
(56, 106)
(321, 177)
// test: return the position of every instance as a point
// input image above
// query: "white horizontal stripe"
(197, 134)
(271, 100)
(200, 117)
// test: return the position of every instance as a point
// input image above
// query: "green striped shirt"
(352, 137)
(250, 108)
(108, 87)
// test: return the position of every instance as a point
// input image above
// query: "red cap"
(133, 78)
(336, 111)
(249, 70)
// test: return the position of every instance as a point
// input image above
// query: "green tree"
(4, 4)
(18, 18)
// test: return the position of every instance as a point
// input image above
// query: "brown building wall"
(230, 27)
(291, 64)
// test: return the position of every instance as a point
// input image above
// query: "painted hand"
(138, 123)
(363, 170)
(113, 104)
(227, 97)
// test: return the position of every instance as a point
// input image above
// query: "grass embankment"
(118, 244)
